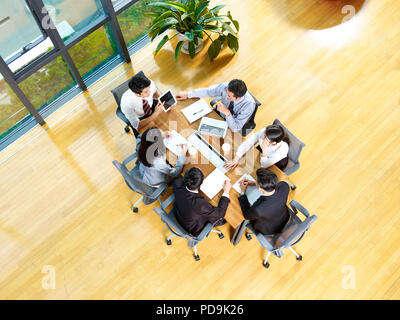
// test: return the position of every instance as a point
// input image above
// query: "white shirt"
(274, 154)
(132, 105)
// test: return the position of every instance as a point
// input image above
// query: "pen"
(198, 111)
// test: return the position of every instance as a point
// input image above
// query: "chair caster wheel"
(266, 265)
(221, 235)
(299, 258)
(197, 258)
(127, 129)
(293, 188)
(169, 242)
(135, 209)
(248, 237)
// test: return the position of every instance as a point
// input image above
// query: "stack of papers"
(213, 183)
(174, 143)
(196, 110)
(252, 192)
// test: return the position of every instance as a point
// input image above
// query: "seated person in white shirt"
(273, 144)
(236, 106)
(153, 166)
(139, 103)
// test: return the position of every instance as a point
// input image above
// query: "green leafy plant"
(194, 19)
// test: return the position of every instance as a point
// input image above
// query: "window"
(12, 111)
(93, 52)
(133, 23)
(48, 83)
(74, 17)
(19, 31)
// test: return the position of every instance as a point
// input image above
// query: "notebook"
(213, 183)
(252, 192)
(196, 110)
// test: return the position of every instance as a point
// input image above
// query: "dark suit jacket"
(269, 214)
(193, 211)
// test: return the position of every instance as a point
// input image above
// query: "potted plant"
(191, 20)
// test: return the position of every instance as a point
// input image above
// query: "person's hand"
(223, 109)
(185, 148)
(232, 164)
(227, 186)
(243, 185)
(167, 134)
(159, 108)
(183, 95)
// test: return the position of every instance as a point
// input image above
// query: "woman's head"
(151, 146)
(275, 134)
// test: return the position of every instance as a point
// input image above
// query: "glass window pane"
(48, 83)
(133, 23)
(74, 17)
(93, 52)
(120, 3)
(39, 50)
(12, 111)
(18, 28)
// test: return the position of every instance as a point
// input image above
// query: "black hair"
(193, 178)
(138, 83)
(266, 179)
(275, 133)
(237, 87)
(151, 146)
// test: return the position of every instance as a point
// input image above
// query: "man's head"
(236, 89)
(266, 180)
(140, 85)
(193, 179)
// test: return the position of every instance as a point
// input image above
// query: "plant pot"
(185, 47)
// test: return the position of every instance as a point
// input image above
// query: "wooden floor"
(335, 85)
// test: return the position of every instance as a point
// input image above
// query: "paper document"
(196, 110)
(252, 192)
(213, 183)
(207, 150)
(174, 143)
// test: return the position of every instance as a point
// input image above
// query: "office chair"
(250, 124)
(291, 234)
(177, 230)
(134, 181)
(118, 92)
(295, 148)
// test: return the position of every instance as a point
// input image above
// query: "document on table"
(174, 143)
(196, 110)
(208, 151)
(252, 192)
(213, 183)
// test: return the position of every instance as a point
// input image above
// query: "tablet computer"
(169, 100)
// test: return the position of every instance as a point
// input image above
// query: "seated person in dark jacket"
(269, 214)
(192, 210)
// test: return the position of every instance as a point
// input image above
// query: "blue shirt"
(242, 109)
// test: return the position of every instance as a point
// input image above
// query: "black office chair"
(118, 92)
(250, 124)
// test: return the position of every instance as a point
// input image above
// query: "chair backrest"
(133, 179)
(295, 147)
(120, 90)
(293, 232)
(173, 225)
